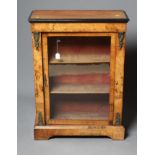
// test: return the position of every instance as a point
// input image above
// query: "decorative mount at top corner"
(121, 37)
(36, 39)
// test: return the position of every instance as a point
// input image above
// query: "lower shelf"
(80, 107)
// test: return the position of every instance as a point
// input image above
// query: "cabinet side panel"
(46, 76)
(38, 78)
(119, 78)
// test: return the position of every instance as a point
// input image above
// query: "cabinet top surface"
(90, 16)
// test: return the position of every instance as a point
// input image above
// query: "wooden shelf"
(82, 115)
(80, 89)
(81, 107)
(70, 69)
(80, 84)
(81, 59)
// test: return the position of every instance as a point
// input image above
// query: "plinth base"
(46, 132)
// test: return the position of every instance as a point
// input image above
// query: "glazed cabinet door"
(79, 75)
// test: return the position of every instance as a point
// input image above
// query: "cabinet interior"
(79, 83)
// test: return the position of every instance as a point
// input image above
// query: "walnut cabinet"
(78, 59)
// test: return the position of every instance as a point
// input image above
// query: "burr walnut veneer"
(81, 92)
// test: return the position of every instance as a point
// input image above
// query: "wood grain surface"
(46, 132)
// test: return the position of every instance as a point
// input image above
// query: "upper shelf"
(81, 59)
(89, 16)
(80, 89)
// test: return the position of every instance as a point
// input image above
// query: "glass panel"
(79, 77)
(79, 49)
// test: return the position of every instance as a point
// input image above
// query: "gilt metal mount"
(121, 37)
(40, 119)
(118, 119)
(36, 39)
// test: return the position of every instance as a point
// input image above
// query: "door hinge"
(121, 37)
(36, 39)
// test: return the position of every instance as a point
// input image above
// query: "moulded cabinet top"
(90, 16)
